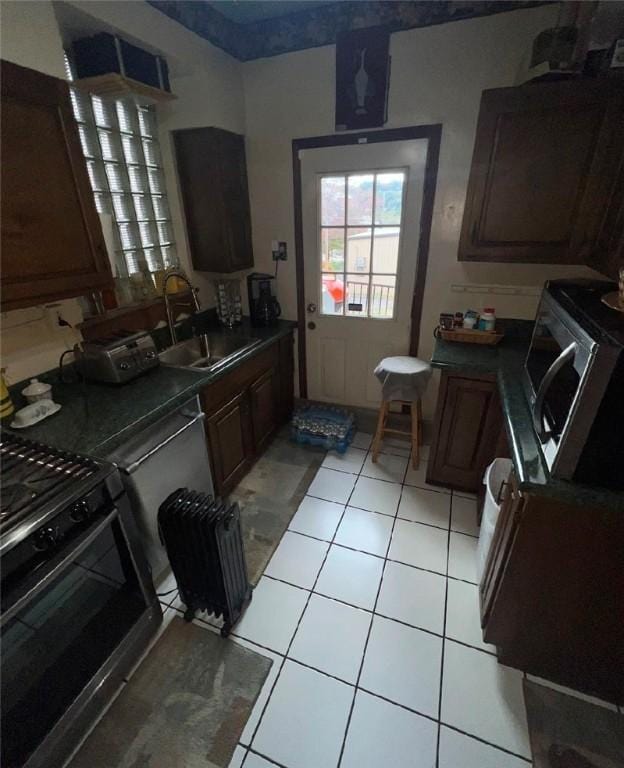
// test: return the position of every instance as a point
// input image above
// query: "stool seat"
(403, 377)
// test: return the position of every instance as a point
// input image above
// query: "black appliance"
(78, 604)
(264, 308)
(205, 548)
(574, 379)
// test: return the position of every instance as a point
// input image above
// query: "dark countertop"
(506, 362)
(97, 418)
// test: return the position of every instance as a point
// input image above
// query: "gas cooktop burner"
(34, 475)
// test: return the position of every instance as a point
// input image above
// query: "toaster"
(117, 358)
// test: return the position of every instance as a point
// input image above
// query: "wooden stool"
(415, 432)
(404, 379)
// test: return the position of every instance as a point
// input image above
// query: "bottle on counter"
(488, 319)
(6, 404)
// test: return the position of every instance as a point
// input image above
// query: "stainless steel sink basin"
(203, 351)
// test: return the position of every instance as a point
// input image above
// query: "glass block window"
(361, 218)
(120, 143)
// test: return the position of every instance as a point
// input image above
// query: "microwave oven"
(574, 381)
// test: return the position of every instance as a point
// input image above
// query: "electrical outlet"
(282, 250)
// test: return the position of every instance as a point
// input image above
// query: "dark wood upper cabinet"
(212, 171)
(545, 173)
(52, 242)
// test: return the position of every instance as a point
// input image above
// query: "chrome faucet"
(194, 304)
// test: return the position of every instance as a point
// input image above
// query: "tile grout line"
(448, 552)
(373, 614)
(381, 557)
(367, 610)
(284, 657)
(370, 627)
(266, 704)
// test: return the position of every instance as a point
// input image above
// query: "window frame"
(375, 172)
(142, 212)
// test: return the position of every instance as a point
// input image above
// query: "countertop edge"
(204, 379)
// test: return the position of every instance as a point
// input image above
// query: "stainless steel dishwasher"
(168, 455)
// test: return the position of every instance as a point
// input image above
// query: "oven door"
(557, 367)
(60, 627)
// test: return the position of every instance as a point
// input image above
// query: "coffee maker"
(264, 308)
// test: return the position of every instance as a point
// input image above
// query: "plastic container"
(495, 475)
(37, 390)
(323, 426)
(488, 319)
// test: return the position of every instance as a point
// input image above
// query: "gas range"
(75, 585)
(39, 482)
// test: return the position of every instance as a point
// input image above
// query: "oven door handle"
(31, 587)
(538, 406)
(130, 469)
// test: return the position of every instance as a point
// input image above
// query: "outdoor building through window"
(360, 235)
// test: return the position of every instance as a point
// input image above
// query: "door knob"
(311, 308)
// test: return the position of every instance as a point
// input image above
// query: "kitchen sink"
(203, 351)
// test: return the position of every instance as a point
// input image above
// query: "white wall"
(437, 76)
(208, 84)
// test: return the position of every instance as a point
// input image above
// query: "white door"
(361, 207)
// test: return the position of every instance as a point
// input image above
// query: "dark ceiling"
(250, 29)
(248, 11)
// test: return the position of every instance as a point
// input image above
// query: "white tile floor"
(369, 609)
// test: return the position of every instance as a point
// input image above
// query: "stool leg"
(415, 413)
(381, 423)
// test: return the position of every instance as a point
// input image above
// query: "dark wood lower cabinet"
(244, 409)
(468, 431)
(264, 395)
(552, 593)
(229, 435)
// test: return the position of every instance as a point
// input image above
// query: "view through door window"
(360, 235)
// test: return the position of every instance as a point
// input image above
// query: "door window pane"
(332, 294)
(332, 200)
(359, 254)
(332, 249)
(360, 200)
(358, 249)
(386, 250)
(389, 198)
(382, 296)
(357, 295)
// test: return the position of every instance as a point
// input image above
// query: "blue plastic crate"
(325, 426)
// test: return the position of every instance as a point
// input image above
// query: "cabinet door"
(264, 407)
(52, 242)
(230, 445)
(213, 181)
(235, 190)
(467, 430)
(544, 171)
